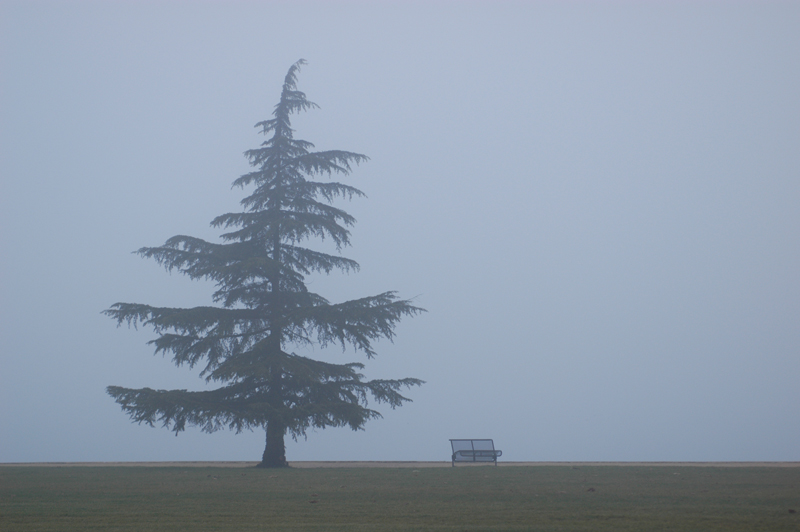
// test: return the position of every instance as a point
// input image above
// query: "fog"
(596, 202)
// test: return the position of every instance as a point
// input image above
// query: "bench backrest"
(473, 445)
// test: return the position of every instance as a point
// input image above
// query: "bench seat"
(474, 451)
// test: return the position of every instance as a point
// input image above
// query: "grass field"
(591, 498)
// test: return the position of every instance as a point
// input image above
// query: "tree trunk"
(275, 451)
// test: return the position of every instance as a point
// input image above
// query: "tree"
(264, 306)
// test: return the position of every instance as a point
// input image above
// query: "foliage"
(264, 306)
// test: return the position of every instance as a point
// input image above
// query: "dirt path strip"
(414, 465)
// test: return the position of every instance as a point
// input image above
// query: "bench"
(474, 451)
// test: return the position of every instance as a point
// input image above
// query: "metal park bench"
(474, 451)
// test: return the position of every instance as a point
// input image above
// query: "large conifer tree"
(264, 306)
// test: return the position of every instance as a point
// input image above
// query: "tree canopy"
(263, 307)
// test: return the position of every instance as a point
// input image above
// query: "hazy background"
(597, 202)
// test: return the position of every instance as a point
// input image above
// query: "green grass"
(592, 498)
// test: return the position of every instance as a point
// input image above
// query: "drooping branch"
(197, 320)
(209, 410)
(358, 322)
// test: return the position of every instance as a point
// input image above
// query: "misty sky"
(597, 202)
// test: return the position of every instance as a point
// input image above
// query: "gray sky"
(597, 202)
